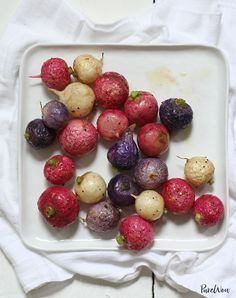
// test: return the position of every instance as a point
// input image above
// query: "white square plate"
(196, 73)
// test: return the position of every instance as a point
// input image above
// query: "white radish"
(149, 204)
(78, 98)
(199, 170)
(87, 68)
(90, 188)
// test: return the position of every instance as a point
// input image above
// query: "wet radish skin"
(102, 217)
(150, 173)
(78, 137)
(153, 139)
(178, 196)
(55, 74)
(111, 124)
(138, 233)
(208, 210)
(63, 201)
(59, 169)
(142, 109)
(111, 90)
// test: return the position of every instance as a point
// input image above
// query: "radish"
(78, 98)
(135, 233)
(141, 107)
(199, 170)
(90, 188)
(87, 68)
(153, 139)
(58, 206)
(78, 137)
(111, 124)
(55, 74)
(178, 196)
(111, 90)
(149, 204)
(208, 210)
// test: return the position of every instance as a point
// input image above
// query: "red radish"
(141, 107)
(111, 90)
(208, 210)
(135, 233)
(59, 169)
(178, 196)
(59, 206)
(153, 139)
(78, 137)
(55, 74)
(111, 124)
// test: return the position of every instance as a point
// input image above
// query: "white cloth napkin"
(201, 21)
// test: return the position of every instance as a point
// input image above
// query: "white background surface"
(80, 286)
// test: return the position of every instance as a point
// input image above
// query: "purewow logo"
(216, 289)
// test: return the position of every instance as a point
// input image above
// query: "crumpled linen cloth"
(186, 21)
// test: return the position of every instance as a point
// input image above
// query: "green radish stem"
(180, 102)
(120, 239)
(26, 135)
(79, 179)
(50, 212)
(198, 217)
(133, 95)
(52, 162)
(125, 186)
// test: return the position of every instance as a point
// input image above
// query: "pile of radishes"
(143, 178)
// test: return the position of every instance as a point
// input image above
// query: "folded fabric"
(195, 21)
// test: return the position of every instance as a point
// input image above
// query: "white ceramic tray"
(196, 73)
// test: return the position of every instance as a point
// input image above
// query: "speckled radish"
(111, 124)
(90, 187)
(55, 74)
(175, 114)
(78, 137)
(102, 217)
(150, 172)
(78, 98)
(135, 233)
(199, 170)
(87, 68)
(208, 210)
(141, 107)
(149, 204)
(59, 169)
(58, 206)
(178, 196)
(111, 90)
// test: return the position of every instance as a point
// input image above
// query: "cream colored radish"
(199, 170)
(149, 204)
(78, 98)
(90, 188)
(87, 68)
